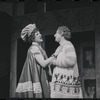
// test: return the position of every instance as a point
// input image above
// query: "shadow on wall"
(5, 38)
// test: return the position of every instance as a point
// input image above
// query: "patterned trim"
(68, 89)
(65, 79)
(28, 86)
(37, 87)
(23, 87)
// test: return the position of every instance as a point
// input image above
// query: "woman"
(65, 80)
(33, 81)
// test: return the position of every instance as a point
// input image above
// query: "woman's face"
(57, 36)
(38, 37)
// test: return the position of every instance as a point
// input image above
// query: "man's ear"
(61, 33)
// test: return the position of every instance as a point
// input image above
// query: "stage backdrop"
(81, 21)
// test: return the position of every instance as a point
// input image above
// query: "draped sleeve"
(35, 50)
(67, 58)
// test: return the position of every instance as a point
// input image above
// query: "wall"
(97, 51)
(11, 8)
(6, 7)
(5, 36)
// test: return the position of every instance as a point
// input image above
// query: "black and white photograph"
(50, 49)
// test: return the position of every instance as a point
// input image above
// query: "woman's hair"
(66, 32)
(31, 38)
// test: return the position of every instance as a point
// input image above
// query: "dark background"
(5, 38)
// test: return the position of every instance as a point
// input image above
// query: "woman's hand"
(54, 62)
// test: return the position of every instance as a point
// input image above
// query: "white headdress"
(26, 31)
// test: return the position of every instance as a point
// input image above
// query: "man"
(65, 80)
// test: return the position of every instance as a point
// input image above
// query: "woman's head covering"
(26, 31)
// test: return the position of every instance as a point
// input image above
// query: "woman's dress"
(33, 80)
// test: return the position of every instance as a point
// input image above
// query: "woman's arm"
(39, 57)
(41, 60)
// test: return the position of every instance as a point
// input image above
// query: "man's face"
(58, 36)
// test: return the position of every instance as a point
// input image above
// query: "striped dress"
(65, 80)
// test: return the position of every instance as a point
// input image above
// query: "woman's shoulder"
(34, 49)
(34, 46)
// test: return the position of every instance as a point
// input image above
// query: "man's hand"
(54, 62)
